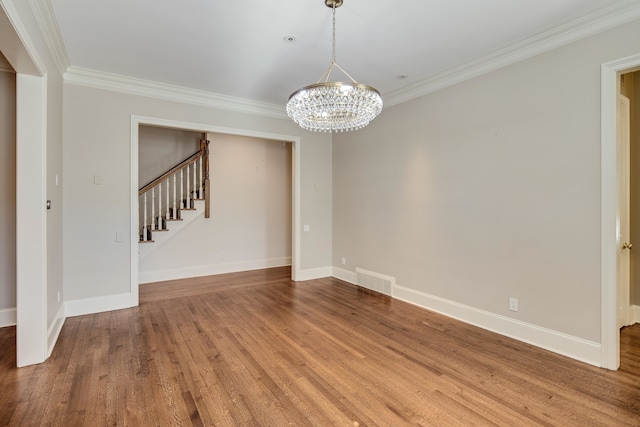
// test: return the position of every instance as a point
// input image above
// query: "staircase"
(172, 200)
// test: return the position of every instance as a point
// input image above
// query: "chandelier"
(334, 106)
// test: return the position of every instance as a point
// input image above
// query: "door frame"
(624, 210)
(136, 121)
(31, 185)
(610, 333)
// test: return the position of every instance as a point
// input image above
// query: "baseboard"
(312, 273)
(208, 270)
(557, 342)
(634, 314)
(7, 317)
(97, 305)
(55, 328)
(346, 275)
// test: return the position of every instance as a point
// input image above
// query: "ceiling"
(237, 48)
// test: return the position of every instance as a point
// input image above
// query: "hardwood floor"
(257, 349)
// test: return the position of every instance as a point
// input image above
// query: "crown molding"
(46, 18)
(130, 85)
(5, 66)
(602, 20)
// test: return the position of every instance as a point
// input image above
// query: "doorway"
(7, 194)
(31, 222)
(137, 121)
(610, 208)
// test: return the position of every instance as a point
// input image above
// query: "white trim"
(135, 86)
(45, 16)
(610, 342)
(134, 236)
(209, 270)
(6, 68)
(296, 149)
(81, 307)
(312, 273)
(7, 317)
(345, 275)
(30, 63)
(54, 329)
(602, 20)
(567, 345)
(634, 314)
(31, 221)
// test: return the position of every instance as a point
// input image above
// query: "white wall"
(250, 223)
(487, 190)
(97, 141)
(160, 149)
(7, 191)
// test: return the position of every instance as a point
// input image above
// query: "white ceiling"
(236, 47)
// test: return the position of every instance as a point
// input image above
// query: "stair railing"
(162, 199)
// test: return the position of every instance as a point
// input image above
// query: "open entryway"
(258, 147)
(31, 221)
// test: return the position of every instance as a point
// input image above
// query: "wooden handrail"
(186, 162)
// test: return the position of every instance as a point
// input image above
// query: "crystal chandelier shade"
(334, 106)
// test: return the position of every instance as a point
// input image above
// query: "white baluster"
(175, 205)
(153, 208)
(200, 181)
(166, 210)
(195, 181)
(181, 185)
(160, 206)
(144, 219)
(188, 189)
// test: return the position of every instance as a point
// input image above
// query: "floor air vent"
(375, 281)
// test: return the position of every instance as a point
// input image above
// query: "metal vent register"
(375, 281)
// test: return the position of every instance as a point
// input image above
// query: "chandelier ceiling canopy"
(327, 106)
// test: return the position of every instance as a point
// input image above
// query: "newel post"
(207, 187)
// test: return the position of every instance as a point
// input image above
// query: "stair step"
(145, 241)
(188, 209)
(174, 219)
(164, 229)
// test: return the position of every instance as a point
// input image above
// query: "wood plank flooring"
(255, 348)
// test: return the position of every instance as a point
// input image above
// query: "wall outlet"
(344, 261)
(513, 304)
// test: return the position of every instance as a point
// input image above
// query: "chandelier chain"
(334, 33)
(334, 106)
